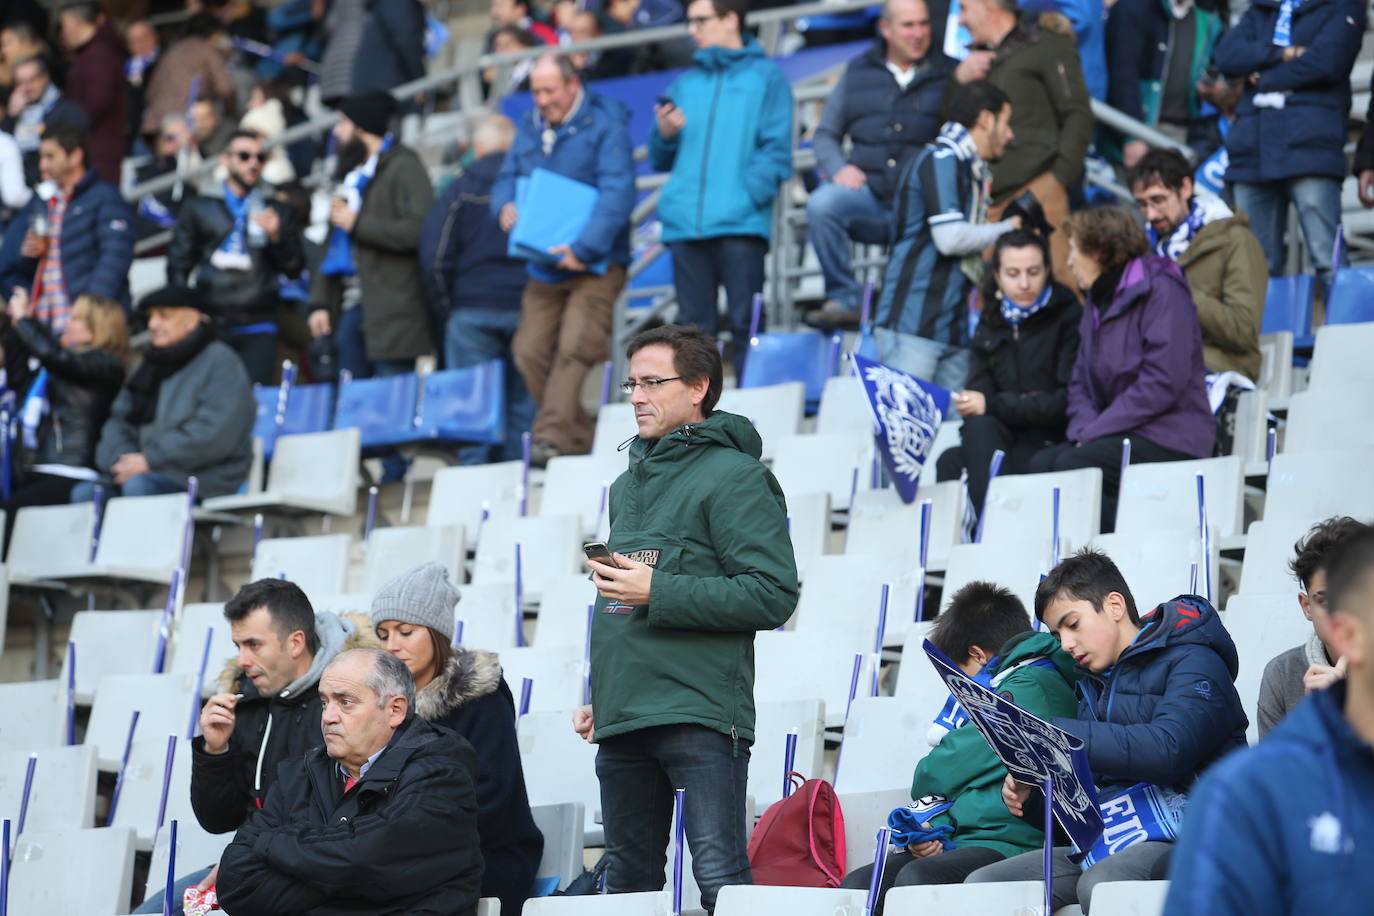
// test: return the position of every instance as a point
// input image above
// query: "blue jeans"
(638, 772)
(474, 336)
(701, 267)
(835, 216)
(1318, 201)
(150, 484)
(351, 354)
(928, 360)
(154, 903)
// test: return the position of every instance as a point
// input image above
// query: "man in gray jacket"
(186, 410)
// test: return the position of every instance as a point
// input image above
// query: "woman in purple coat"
(1139, 374)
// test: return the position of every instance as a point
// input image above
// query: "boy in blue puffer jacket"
(1284, 827)
(724, 130)
(1157, 706)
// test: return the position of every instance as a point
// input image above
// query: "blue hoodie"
(735, 150)
(1276, 829)
(1168, 708)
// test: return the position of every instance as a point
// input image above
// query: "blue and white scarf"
(35, 406)
(28, 127)
(956, 137)
(1143, 813)
(1283, 26)
(1015, 314)
(1205, 209)
(338, 260)
(236, 242)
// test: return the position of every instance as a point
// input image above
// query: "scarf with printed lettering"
(956, 137)
(1283, 26)
(1015, 314)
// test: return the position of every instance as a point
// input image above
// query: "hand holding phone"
(597, 550)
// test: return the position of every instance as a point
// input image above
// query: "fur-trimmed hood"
(469, 674)
(336, 632)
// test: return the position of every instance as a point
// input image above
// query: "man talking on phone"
(700, 560)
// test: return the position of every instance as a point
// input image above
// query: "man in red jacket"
(96, 83)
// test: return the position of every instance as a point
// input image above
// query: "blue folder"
(553, 210)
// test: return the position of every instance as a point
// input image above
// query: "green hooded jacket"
(699, 507)
(962, 767)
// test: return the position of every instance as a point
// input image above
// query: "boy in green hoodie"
(961, 778)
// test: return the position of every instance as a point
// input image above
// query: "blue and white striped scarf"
(1283, 26)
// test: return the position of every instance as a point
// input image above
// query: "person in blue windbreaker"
(724, 131)
(1285, 826)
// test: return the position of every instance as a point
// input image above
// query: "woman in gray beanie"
(462, 689)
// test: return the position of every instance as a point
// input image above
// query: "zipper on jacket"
(706, 152)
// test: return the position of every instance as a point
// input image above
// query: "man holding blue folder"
(572, 137)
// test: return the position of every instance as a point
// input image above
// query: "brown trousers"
(564, 332)
(1054, 200)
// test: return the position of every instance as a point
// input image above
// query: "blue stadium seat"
(383, 410)
(807, 357)
(1352, 296)
(308, 409)
(1288, 306)
(465, 405)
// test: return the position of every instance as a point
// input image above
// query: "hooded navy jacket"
(1278, 828)
(1168, 708)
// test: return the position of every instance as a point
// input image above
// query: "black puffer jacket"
(403, 840)
(471, 697)
(82, 385)
(236, 297)
(1024, 372)
(226, 788)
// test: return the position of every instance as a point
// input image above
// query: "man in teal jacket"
(726, 136)
(701, 560)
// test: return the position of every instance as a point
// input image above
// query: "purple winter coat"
(1140, 370)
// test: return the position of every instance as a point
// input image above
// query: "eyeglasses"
(245, 156)
(648, 384)
(696, 22)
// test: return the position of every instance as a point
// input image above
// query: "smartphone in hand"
(597, 550)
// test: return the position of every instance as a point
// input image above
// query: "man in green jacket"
(1220, 256)
(701, 560)
(961, 778)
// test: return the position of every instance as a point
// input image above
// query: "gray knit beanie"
(422, 596)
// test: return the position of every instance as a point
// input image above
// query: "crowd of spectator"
(1069, 331)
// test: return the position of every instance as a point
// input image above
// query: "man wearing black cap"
(186, 410)
(368, 291)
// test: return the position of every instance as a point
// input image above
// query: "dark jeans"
(701, 267)
(638, 773)
(474, 336)
(979, 437)
(905, 870)
(150, 484)
(1104, 453)
(34, 490)
(351, 354)
(259, 355)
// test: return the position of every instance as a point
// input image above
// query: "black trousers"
(701, 267)
(905, 870)
(980, 436)
(1104, 453)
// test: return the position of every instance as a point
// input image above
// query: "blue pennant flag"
(1032, 750)
(909, 413)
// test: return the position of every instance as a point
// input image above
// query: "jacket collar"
(718, 58)
(469, 674)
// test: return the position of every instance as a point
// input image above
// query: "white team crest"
(1326, 833)
(909, 417)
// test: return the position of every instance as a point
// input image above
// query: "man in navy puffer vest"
(1157, 706)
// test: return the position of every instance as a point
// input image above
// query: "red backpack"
(799, 841)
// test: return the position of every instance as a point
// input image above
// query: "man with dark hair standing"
(701, 560)
(1220, 256)
(267, 710)
(1157, 706)
(95, 81)
(941, 231)
(724, 134)
(236, 240)
(888, 104)
(79, 240)
(1282, 827)
(1314, 665)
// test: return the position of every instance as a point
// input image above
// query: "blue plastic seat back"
(1352, 296)
(265, 424)
(465, 405)
(308, 409)
(808, 357)
(383, 409)
(1288, 305)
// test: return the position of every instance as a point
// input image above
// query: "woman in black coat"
(463, 690)
(78, 374)
(1017, 392)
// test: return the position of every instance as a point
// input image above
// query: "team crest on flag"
(909, 413)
